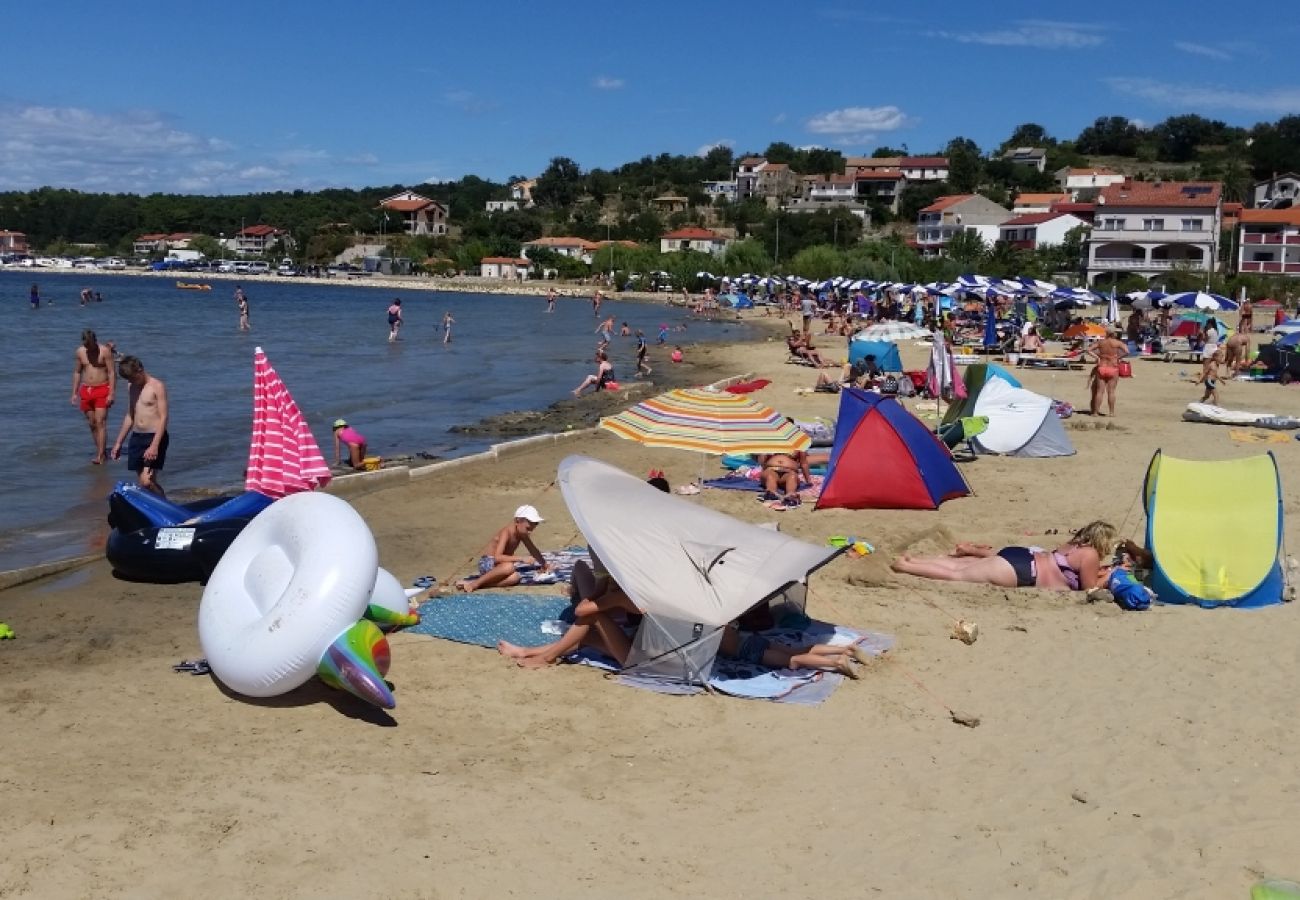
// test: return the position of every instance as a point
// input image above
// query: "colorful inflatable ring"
(296, 579)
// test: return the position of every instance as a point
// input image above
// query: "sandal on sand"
(688, 489)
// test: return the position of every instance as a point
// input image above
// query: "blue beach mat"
(485, 617)
(741, 483)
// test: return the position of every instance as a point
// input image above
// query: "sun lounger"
(1039, 361)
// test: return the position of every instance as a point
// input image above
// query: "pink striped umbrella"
(283, 457)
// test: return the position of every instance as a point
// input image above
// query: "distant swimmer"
(241, 302)
(146, 423)
(93, 384)
(550, 300)
(85, 296)
(35, 296)
(394, 319)
(625, 331)
(447, 322)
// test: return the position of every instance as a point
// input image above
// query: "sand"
(1118, 755)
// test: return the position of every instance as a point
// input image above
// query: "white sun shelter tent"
(689, 569)
(1021, 423)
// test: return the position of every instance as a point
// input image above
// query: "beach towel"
(749, 478)
(561, 563)
(748, 387)
(529, 620)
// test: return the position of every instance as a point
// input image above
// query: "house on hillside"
(667, 204)
(522, 191)
(496, 206)
(1085, 184)
(946, 217)
(13, 242)
(1034, 230)
(420, 215)
(1034, 157)
(504, 267)
(1148, 228)
(720, 191)
(756, 177)
(1270, 242)
(882, 185)
(572, 247)
(1035, 203)
(924, 168)
(856, 165)
(146, 244)
(256, 240)
(693, 238)
(1280, 191)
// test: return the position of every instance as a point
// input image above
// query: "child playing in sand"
(499, 566)
(677, 354)
(1210, 376)
(355, 441)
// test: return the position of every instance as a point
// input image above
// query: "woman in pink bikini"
(1105, 375)
(1076, 565)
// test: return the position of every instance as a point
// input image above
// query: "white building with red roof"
(1149, 228)
(693, 238)
(420, 215)
(924, 168)
(510, 267)
(1084, 184)
(13, 242)
(1270, 242)
(946, 217)
(572, 247)
(256, 240)
(1041, 229)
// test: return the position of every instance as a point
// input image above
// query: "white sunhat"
(530, 513)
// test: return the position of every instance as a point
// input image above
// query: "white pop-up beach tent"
(1021, 423)
(689, 569)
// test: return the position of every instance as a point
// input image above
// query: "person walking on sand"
(447, 322)
(394, 320)
(241, 303)
(550, 300)
(1104, 377)
(146, 423)
(94, 382)
(500, 566)
(1210, 377)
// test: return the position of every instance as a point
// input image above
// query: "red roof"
(692, 234)
(1289, 216)
(924, 162)
(504, 260)
(152, 237)
(407, 205)
(944, 202)
(259, 231)
(879, 175)
(1039, 199)
(562, 242)
(1032, 219)
(1198, 194)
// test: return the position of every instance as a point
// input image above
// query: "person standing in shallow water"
(35, 296)
(394, 319)
(94, 382)
(241, 301)
(146, 422)
(447, 322)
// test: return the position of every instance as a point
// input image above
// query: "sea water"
(328, 343)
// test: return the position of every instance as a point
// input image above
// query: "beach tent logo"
(886, 458)
(1209, 552)
(689, 569)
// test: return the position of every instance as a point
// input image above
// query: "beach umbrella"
(1201, 300)
(283, 457)
(1148, 299)
(893, 331)
(1085, 330)
(990, 325)
(1041, 288)
(708, 422)
(1112, 308)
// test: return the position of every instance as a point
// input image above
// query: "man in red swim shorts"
(94, 382)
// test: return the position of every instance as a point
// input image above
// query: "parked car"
(287, 268)
(259, 268)
(115, 262)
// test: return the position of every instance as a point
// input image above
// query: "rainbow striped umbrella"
(708, 422)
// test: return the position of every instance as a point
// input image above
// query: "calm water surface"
(329, 345)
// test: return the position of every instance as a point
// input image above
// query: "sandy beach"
(1118, 754)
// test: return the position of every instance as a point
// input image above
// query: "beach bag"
(1125, 369)
(889, 387)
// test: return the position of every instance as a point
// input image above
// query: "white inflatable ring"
(295, 578)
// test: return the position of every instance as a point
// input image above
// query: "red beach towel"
(748, 387)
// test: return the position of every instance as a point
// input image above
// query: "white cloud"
(1202, 50)
(778, 118)
(468, 101)
(607, 83)
(1037, 33)
(705, 148)
(858, 120)
(1272, 101)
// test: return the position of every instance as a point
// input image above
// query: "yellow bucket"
(371, 463)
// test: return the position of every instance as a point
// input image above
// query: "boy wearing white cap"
(500, 566)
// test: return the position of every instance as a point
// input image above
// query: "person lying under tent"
(602, 610)
(1075, 565)
(500, 566)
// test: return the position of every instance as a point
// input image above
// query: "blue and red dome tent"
(886, 458)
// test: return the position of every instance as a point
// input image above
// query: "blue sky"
(242, 97)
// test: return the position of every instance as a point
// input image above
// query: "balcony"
(1248, 237)
(1167, 235)
(1275, 268)
(1133, 265)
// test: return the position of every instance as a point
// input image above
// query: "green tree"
(560, 185)
(965, 165)
(966, 249)
(1109, 136)
(817, 262)
(1029, 134)
(746, 257)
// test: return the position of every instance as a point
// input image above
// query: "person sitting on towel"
(783, 472)
(499, 566)
(1075, 565)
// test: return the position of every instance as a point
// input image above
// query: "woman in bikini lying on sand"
(1075, 565)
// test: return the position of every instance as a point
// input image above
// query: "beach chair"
(964, 430)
